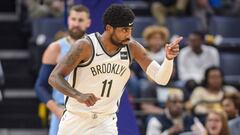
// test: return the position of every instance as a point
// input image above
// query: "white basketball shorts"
(88, 124)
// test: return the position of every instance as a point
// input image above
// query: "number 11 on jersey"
(108, 88)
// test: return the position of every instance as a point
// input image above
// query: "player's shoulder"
(185, 51)
(135, 46)
(83, 43)
(134, 42)
(84, 46)
(209, 48)
(50, 55)
(136, 49)
(53, 46)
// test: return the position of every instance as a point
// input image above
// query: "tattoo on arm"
(63, 86)
(72, 57)
(66, 65)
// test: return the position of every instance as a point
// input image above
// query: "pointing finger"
(175, 42)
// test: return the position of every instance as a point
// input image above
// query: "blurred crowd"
(196, 99)
(45, 8)
(202, 9)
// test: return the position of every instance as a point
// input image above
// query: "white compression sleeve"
(160, 74)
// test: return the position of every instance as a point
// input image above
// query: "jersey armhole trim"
(129, 55)
(73, 84)
(93, 54)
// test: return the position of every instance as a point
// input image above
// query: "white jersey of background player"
(99, 69)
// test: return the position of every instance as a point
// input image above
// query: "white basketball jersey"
(103, 75)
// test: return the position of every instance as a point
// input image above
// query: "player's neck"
(107, 44)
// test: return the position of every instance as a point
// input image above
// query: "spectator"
(55, 7)
(208, 96)
(36, 9)
(161, 8)
(234, 124)
(234, 9)
(155, 38)
(78, 22)
(216, 124)
(226, 7)
(133, 86)
(156, 97)
(230, 104)
(173, 121)
(202, 10)
(195, 58)
(1, 82)
(44, 8)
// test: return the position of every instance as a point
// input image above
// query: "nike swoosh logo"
(97, 54)
(130, 24)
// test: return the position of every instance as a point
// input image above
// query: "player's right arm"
(80, 52)
(42, 88)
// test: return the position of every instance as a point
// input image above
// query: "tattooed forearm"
(70, 61)
(62, 85)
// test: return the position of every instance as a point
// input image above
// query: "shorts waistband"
(93, 115)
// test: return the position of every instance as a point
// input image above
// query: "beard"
(76, 34)
(119, 44)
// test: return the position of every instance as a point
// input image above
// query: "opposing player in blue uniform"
(78, 22)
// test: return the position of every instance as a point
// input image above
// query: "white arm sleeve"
(160, 74)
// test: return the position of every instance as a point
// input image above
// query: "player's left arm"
(159, 73)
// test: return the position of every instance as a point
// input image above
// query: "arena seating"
(230, 63)
(227, 27)
(2, 82)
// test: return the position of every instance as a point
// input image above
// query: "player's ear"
(109, 28)
(89, 22)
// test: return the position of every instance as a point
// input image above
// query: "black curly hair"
(118, 15)
(206, 74)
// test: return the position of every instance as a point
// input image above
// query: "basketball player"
(99, 69)
(78, 22)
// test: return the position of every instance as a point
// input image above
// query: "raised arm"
(80, 52)
(160, 74)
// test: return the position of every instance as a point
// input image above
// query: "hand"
(54, 108)
(172, 49)
(59, 112)
(177, 128)
(89, 99)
